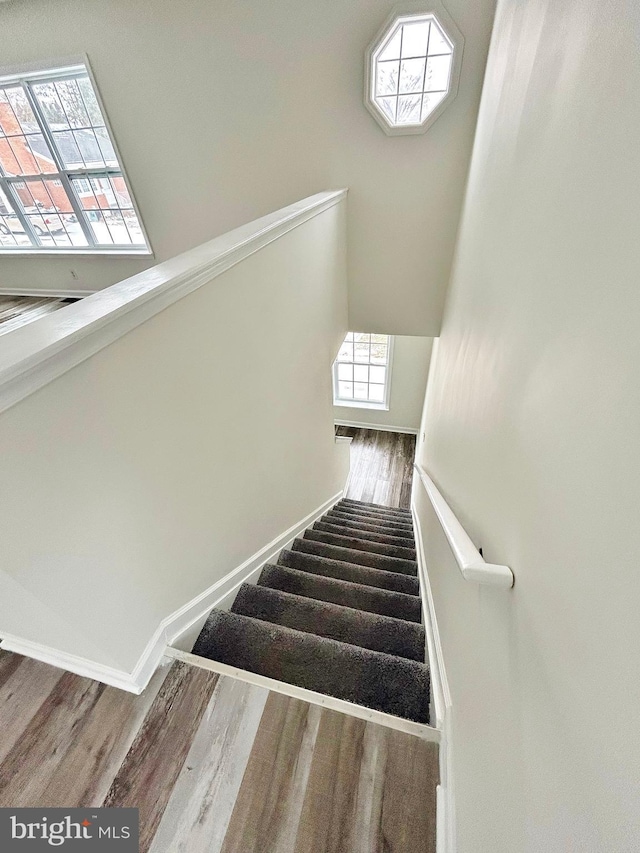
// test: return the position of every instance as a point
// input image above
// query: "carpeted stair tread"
(367, 535)
(377, 506)
(352, 555)
(347, 515)
(354, 523)
(393, 528)
(381, 508)
(399, 605)
(387, 510)
(373, 679)
(403, 518)
(346, 541)
(352, 572)
(374, 518)
(346, 624)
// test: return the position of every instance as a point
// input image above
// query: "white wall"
(409, 371)
(248, 106)
(532, 435)
(137, 479)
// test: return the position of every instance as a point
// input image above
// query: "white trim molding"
(471, 563)
(342, 705)
(37, 353)
(441, 702)
(172, 626)
(383, 427)
(73, 663)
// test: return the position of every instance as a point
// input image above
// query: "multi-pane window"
(412, 71)
(361, 371)
(62, 186)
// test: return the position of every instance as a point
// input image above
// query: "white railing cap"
(39, 352)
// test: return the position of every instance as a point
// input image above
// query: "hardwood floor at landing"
(214, 764)
(16, 311)
(381, 466)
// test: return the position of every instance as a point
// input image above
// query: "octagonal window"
(411, 70)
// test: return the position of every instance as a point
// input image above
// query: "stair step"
(352, 555)
(347, 515)
(376, 680)
(368, 535)
(346, 624)
(349, 572)
(381, 529)
(394, 510)
(345, 541)
(403, 518)
(399, 605)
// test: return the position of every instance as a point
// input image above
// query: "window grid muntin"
(380, 100)
(62, 173)
(125, 211)
(362, 391)
(41, 228)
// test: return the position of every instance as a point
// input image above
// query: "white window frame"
(365, 404)
(404, 14)
(50, 72)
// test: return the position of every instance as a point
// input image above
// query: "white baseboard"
(57, 293)
(441, 701)
(72, 663)
(383, 427)
(221, 593)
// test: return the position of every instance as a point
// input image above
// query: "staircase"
(339, 614)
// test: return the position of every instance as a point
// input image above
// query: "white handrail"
(469, 559)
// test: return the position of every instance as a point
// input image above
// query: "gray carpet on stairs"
(400, 510)
(379, 512)
(349, 572)
(385, 682)
(358, 627)
(344, 540)
(353, 555)
(369, 598)
(339, 614)
(402, 528)
(386, 523)
(382, 530)
(361, 533)
(377, 508)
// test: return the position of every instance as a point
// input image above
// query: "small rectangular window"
(361, 372)
(62, 186)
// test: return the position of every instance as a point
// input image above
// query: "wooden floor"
(381, 466)
(16, 311)
(214, 764)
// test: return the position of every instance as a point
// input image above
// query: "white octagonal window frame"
(409, 88)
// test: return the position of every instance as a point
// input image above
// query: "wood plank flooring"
(214, 764)
(16, 311)
(381, 466)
